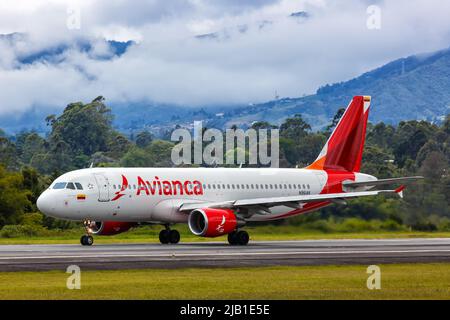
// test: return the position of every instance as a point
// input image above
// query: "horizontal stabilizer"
(403, 180)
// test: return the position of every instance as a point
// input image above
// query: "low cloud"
(254, 49)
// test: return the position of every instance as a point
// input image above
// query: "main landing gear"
(169, 236)
(87, 239)
(238, 237)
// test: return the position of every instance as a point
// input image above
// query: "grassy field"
(150, 234)
(400, 281)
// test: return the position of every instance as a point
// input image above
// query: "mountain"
(412, 88)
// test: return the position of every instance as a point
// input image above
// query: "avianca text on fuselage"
(160, 187)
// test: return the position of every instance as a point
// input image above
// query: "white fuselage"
(155, 194)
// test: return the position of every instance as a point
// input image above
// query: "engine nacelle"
(212, 222)
(109, 228)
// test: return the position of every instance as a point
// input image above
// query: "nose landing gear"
(238, 237)
(87, 239)
(169, 236)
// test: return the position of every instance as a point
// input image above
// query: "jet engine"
(210, 222)
(109, 228)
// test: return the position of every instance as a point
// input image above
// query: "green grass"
(283, 232)
(400, 281)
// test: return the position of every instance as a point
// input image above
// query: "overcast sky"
(258, 48)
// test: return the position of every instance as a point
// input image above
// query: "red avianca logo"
(162, 187)
(124, 187)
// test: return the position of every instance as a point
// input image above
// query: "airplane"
(218, 201)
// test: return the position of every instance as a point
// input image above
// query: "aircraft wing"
(290, 201)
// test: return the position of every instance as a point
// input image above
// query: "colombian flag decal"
(81, 197)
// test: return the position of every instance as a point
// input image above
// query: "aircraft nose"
(45, 203)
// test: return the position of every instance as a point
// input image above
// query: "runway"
(217, 254)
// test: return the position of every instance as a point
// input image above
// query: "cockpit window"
(60, 185)
(71, 186)
(79, 186)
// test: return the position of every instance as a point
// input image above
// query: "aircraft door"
(103, 187)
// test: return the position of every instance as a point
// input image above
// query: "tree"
(263, 125)
(81, 131)
(118, 146)
(162, 151)
(338, 115)
(14, 198)
(86, 128)
(8, 155)
(294, 128)
(143, 139)
(137, 157)
(33, 144)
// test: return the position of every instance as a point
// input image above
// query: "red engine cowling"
(109, 228)
(212, 222)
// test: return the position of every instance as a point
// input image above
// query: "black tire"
(232, 238)
(164, 236)
(174, 236)
(86, 240)
(89, 240)
(242, 237)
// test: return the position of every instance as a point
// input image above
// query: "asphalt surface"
(215, 254)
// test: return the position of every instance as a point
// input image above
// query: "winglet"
(399, 191)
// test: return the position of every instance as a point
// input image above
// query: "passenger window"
(79, 186)
(59, 185)
(71, 186)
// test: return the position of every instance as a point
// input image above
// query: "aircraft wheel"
(242, 237)
(86, 240)
(174, 236)
(232, 239)
(164, 236)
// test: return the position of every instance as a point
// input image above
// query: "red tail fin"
(344, 148)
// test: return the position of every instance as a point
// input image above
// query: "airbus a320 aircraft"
(217, 201)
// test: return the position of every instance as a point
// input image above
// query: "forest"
(83, 135)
